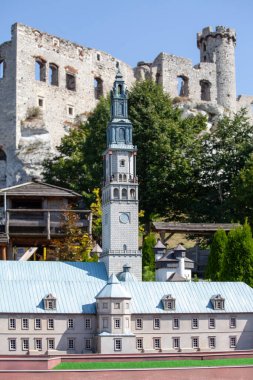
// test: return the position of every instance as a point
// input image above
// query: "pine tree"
(216, 255)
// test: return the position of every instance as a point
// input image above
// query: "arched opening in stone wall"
(116, 193)
(119, 89)
(53, 74)
(40, 69)
(2, 68)
(2, 168)
(132, 193)
(158, 78)
(124, 194)
(182, 85)
(121, 134)
(205, 94)
(98, 87)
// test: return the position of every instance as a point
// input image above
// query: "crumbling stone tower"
(219, 47)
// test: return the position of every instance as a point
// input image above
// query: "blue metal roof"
(23, 285)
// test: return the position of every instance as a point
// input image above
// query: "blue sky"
(135, 30)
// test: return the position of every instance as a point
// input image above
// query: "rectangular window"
(38, 344)
(116, 305)
(12, 323)
(71, 344)
(117, 323)
(117, 345)
(195, 323)
(41, 102)
(195, 342)
(70, 111)
(139, 323)
(105, 305)
(25, 344)
(12, 345)
(87, 324)
(232, 341)
(70, 82)
(175, 323)
(232, 323)
(157, 343)
(37, 323)
(50, 324)
(87, 344)
(211, 342)
(25, 323)
(70, 323)
(156, 323)
(139, 343)
(176, 343)
(50, 344)
(105, 323)
(211, 323)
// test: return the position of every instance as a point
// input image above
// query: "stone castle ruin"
(48, 85)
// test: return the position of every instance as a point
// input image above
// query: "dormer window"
(218, 302)
(169, 302)
(49, 302)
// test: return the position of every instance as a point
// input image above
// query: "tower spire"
(120, 188)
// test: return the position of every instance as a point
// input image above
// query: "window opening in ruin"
(40, 102)
(1, 68)
(98, 87)
(205, 90)
(70, 111)
(98, 57)
(53, 74)
(204, 58)
(117, 64)
(158, 78)
(70, 82)
(40, 70)
(204, 47)
(182, 85)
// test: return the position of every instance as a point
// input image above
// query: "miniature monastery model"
(104, 307)
(48, 85)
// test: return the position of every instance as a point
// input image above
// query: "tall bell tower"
(120, 189)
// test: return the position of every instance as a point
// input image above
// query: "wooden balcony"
(45, 223)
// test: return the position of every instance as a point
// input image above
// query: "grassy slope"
(156, 364)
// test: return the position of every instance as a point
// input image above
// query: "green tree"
(148, 255)
(216, 255)
(238, 258)
(225, 152)
(169, 150)
(242, 194)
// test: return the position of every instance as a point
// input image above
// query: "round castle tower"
(219, 47)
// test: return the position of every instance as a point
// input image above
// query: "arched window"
(119, 89)
(98, 88)
(40, 69)
(132, 193)
(182, 85)
(53, 74)
(158, 78)
(120, 177)
(124, 177)
(124, 194)
(121, 134)
(2, 68)
(116, 193)
(70, 82)
(205, 90)
(124, 247)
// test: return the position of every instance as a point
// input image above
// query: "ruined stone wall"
(36, 113)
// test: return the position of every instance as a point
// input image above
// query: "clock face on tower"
(124, 217)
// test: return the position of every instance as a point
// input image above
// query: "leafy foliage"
(225, 152)
(75, 245)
